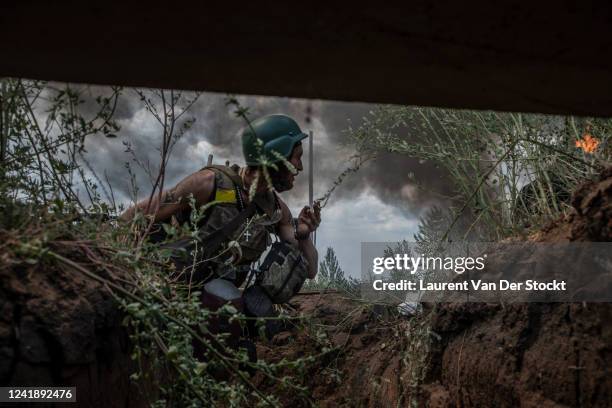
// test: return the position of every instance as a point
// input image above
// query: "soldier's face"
(283, 179)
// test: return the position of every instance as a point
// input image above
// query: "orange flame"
(588, 143)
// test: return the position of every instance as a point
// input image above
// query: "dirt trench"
(58, 328)
(475, 355)
(530, 355)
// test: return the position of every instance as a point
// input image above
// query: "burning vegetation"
(588, 143)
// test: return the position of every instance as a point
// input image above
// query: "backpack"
(283, 272)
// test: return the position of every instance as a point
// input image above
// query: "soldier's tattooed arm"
(176, 199)
(169, 197)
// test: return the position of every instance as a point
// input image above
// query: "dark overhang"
(550, 57)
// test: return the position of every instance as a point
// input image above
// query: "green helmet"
(276, 132)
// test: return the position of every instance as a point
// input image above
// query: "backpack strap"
(224, 193)
(214, 240)
(228, 171)
(232, 196)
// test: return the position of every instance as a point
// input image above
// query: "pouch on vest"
(185, 253)
(283, 272)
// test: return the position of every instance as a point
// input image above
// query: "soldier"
(234, 231)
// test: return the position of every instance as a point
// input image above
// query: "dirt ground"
(474, 354)
(59, 328)
(364, 367)
(477, 355)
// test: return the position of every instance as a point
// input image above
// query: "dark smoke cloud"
(217, 131)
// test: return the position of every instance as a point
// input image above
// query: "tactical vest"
(253, 237)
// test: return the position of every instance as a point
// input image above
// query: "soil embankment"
(59, 328)
(365, 367)
(475, 355)
(536, 354)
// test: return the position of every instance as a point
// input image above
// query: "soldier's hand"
(309, 220)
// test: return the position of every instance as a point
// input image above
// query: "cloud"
(216, 130)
